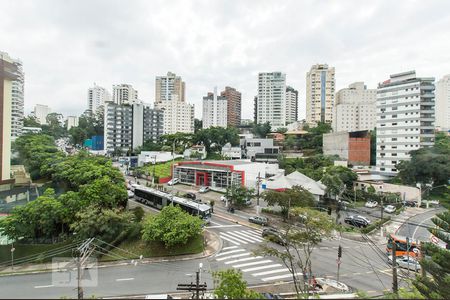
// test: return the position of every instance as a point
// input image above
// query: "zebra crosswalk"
(260, 267)
(242, 237)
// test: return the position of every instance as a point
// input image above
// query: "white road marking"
(125, 279)
(230, 247)
(229, 252)
(233, 256)
(242, 259)
(223, 226)
(233, 242)
(233, 238)
(280, 277)
(261, 268)
(271, 272)
(245, 238)
(419, 225)
(256, 233)
(253, 263)
(215, 223)
(43, 286)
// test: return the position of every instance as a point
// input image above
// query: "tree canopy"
(295, 197)
(172, 226)
(231, 285)
(261, 130)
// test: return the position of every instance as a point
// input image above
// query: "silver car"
(402, 262)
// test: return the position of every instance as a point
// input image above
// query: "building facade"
(234, 99)
(320, 89)
(8, 74)
(17, 108)
(41, 112)
(72, 121)
(214, 110)
(353, 147)
(405, 118)
(271, 99)
(355, 108)
(443, 104)
(291, 105)
(178, 116)
(167, 87)
(127, 127)
(96, 98)
(124, 94)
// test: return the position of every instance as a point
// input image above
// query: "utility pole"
(258, 182)
(394, 268)
(12, 256)
(83, 253)
(422, 255)
(407, 252)
(339, 261)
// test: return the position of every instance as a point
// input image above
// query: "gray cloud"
(67, 45)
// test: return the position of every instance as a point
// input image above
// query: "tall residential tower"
(271, 99)
(97, 96)
(124, 94)
(443, 104)
(214, 110)
(291, 105)
(320, 87)
(167, 87)
(234, 99)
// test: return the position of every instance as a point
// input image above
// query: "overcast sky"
(66, 46)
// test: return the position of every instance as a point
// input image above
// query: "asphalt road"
(416, 227)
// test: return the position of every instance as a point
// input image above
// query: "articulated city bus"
(401, 248)
(159, 199)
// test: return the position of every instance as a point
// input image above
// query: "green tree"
(304, 231)
(237, 195)
(261, 130)
(294, 197)
(104, 193)
(54, 126)
(31, 121)
(290, 142)
(436, 261)
(105, 224)
(198, 124)
(216, 137)
(172, 226)
(231, 285)
(346, 175)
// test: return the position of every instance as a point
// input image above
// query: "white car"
(173, 181)
(371, 204)
(363, 218)
(389, 209)
(204, 189)
(402, 262)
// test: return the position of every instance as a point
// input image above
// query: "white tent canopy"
(296, 179)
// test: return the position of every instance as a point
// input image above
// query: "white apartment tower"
(443, 104)
(17, 108)
(405, 118)
(41, 112)
(270, 104)
(320, 87)
(214, 110)
(124, 94)
(96, 98)
(72, 121)
(167, 87)
(291, 105)
(178, 115)
(355, 108)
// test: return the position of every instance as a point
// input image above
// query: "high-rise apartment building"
(271, 101)
(234, 99)
(17, 109)
(96, 98)
(167, 87)
(214, 110)
(124, 94)
(443, 104)
(127, 127)
(320, 86)
(72, 121)
(8, 74)
(291, 105)
(355, 108)
(40, 112)
(178, 116)
(405, 118)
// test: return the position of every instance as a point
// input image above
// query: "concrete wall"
(336, 144)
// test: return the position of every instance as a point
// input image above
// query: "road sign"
(434, 239)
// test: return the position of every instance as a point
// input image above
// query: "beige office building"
(8, 73)
(355, 108)
(320, 89)
(170, 87)
(178, 116)
(442, 122)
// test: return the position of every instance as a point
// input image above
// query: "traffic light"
(339, 252)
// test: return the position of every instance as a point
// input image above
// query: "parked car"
(248, 202)
(190, 196)
(204, 189)
(273, 235)
(402, 262)
(173, 181)
(389, 209)
(258, 220)
(371, 204)
(410, 203)
(130, 194)
(357, 221)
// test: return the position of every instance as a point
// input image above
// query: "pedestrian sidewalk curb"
(215, 245)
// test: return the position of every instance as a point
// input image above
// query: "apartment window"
(394, 154)
(394, 139)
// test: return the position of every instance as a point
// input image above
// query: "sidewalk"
(213, 245)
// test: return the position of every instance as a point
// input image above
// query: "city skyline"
(368, 45)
